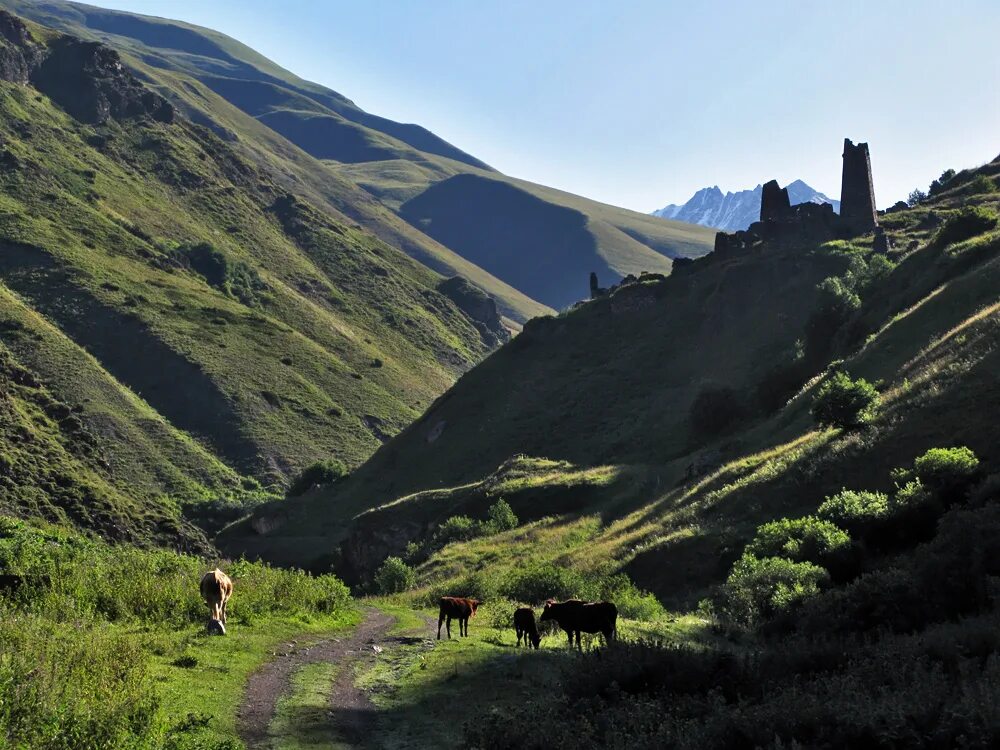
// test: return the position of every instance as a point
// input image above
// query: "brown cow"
(575, 616)
(216, 588)
(524, 624)
(459, 608)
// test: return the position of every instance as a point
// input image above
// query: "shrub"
(716, 410)
(913, 512)
(806, 539)
(501, 517)
(842, 402)
(394, 576)
(942, 182)
(537, 582)
(980, 184)
(631, 601)
(759, 589)
(321, 472)
(968, 222)
(456, 529)
(948, 471)
(835, 305)
(857, 511)
(916, 196)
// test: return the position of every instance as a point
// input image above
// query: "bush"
(836, 304)
(968, 222)
(457, 529)
(857, 511)
(913, 513)
(537, 582)
(394, 576)
(941, 183)
(806, 539)
(501, 517)
(319, 473)
(842, 402)
(759, 589)
(980, 184)
(948, 471)
(631, 601)
(716, 410)
(916, 196)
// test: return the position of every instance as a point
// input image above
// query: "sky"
(640, 103)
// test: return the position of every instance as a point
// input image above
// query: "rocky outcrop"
(18, 52)
(90, 82)
(479, 306)
(86, 79)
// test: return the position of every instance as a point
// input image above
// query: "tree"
(394, 576)
(941, 183)
(321, 472)
(806, 539)
(916, 196)
(502, 517)
(842, 402)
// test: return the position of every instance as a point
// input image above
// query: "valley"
(247, 324)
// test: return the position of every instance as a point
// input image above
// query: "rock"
(479, 306)
(18, 52)
(90, 82)
(881, 244)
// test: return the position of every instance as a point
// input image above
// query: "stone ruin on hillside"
(811, 223)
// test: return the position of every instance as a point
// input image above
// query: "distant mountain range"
(732, 211)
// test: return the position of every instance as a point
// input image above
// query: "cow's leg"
(440, 622)
(463, 626)
(519, 634)
(448, 626)
(578, 646)
(224, 603)
(569, 634)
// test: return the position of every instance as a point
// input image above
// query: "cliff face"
(86, 79)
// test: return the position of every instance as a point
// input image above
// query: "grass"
(416, 684)
(114, 647)
(98, 303)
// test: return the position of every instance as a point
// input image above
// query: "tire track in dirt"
(350, 706)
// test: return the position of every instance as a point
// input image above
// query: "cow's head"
(536, 639)
(474, 603)
(547, 610)
(215, 627)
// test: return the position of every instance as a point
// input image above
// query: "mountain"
(734, 211)
(649, 431)
(178, 326)
(445, 207)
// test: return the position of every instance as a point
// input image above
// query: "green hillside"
(661, 424)
(405, 167)
(176, 324)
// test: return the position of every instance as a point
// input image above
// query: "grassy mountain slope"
(395, 163)
(618, 473)
(190, 55)
(206, 328)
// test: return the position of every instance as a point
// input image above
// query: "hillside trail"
(353, 708)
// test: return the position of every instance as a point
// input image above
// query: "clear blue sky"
(640, 103)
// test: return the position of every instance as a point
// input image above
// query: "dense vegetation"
(102, 643)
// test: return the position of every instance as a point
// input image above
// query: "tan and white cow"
(216, 588)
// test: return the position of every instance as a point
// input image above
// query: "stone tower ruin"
(857, 195)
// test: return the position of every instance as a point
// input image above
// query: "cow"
(216, 588)
(575, 616)
(524, 624)
(459, 608)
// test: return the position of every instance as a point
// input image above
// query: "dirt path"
(352, 707)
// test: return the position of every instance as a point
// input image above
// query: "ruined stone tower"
(774, 202)
(857, 196)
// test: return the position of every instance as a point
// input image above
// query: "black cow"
(524, 624)
(575, 617)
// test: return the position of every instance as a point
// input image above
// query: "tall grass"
(74, 669)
